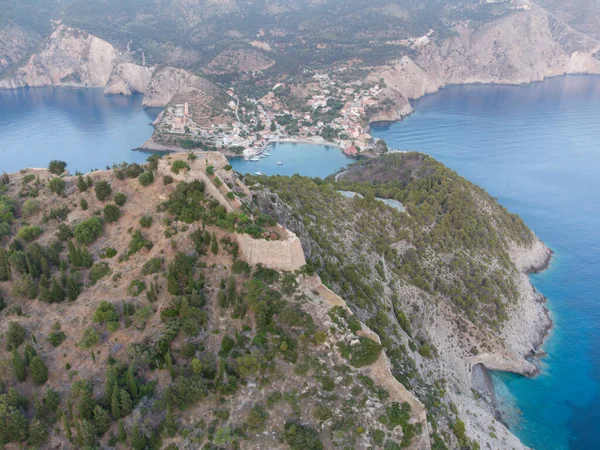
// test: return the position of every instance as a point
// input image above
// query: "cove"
(537, 149)
(80, 126)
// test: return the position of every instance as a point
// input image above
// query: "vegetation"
(57, 167)
(103, 190)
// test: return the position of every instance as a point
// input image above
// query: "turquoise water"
(304, 159)
(82, 127)
(537, 149)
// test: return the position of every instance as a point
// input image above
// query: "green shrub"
(30, 208)
(228, 167)
(146, 221)
(153, 266)
(240, 266)
(28, 178)
(230, 195)
(57, 185)
(167, 179)
(146, 178)
(136, 287)
(210, 170)
(56, 338)
(105, 313)
(108, 253)
(120, 198)
(29, 233)
(89, 230)
(15, 335)
(300, 437)
(138, 242)
(89, 338)
(364, 353)
(38, 370)
(103, 190)
(57, 167)
(111, 213)
(84, 204)
(99, 271)
(179, 165)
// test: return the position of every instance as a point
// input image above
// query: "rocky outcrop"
(522, 47)
(16, 43)
(167, 81)
(69, 57)
(127, 78)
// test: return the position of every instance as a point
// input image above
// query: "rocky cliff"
(524, 46)
(168, 81)
(443, 307)
(69, 57)
(127, 78)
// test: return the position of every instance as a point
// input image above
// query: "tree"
(132, 383)
(115, 404)
(57, 185)
(81, 184)
(169, 363)
(18, 365)
(15, 335)
(67, 428)
(103, 190)
(122, 432)
(38, 433)
(111, 213)
(146, 178)
(38, 370)
(57, 293)
(88, 231)
(138, 439)
(214, 245)
(30, 208)
(5, 274)
(120, 198)
(170, 422)
(101, 420)
(57, 167)
(126, 403)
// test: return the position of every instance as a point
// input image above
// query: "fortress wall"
(285, 254)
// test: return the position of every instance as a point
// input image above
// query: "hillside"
(148, 307)
(443, 284)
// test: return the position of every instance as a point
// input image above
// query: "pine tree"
(115, 405)
(18, 365)
(28, 353)
(214, 245)
(132, 383)
(93, 355)
(122, 432)
(45, 267)
(4, 266)
(170, 422)
(101, 420)
(73, 288)
(57, 293)
(138, 439)
(39, 370)
(44, 294)
(67, 428)
(169, 363)
(126, 404)
(81, 184)
(38, 433)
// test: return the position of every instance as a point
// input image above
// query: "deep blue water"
(303, 159)
(82, 127)
(537, 149)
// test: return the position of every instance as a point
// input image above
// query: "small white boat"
(266, 153)
(279, 163)
(255, 158)
(258, 173)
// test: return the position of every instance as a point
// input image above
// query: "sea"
(536, 148)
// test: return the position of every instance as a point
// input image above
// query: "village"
(331, 112)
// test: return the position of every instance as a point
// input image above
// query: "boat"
(279, 163)
(258, 173)
(267, 153)
(255, 158)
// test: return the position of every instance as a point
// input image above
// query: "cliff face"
(525, 46)
(167, 81)
(128, 78)
(69, 57)
(415, 286)
(16, 43)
